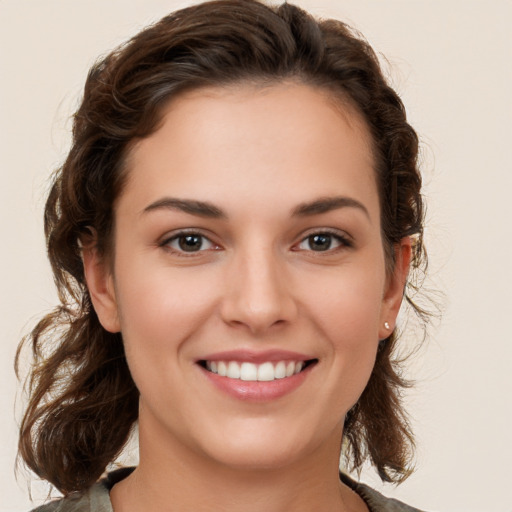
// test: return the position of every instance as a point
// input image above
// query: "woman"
(231, 237)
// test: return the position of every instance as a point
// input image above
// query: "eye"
(323, 241)
(189, 242)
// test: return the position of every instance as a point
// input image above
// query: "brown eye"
(321, 242)
(189, 242)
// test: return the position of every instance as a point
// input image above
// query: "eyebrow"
(209, 210)
(200, 208)
(327, 204)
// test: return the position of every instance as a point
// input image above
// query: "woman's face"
(248, 242)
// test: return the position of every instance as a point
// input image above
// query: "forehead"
(283, 141)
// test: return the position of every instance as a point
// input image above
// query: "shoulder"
(96, 499)
(376, 501)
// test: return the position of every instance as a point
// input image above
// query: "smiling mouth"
(252, 372)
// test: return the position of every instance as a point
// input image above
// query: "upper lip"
(252, 356)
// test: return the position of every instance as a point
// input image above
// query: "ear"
(100, 283)
(395, 285)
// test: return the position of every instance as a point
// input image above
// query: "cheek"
(348, 316)
(348, 304)
(160, 318)
(161, 309)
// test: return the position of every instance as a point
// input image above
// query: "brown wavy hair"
(83, 403)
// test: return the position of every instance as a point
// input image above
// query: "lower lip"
(257, 391)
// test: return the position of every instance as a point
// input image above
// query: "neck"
(174, 478)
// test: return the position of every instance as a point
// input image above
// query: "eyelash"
(343, 241)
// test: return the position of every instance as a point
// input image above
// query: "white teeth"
(280, 370)
(264, 372)
(248, 371)
(233, 370)
(222, 369)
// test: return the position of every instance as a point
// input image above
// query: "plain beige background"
(451, 62)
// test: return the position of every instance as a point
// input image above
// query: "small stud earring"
(386, 325)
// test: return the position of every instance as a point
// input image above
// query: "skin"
(258, 283)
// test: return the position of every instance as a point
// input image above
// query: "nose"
(258, 293)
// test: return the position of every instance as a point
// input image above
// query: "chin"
(257, 448)
(255, 457)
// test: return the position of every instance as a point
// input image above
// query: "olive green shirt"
(97, 498)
